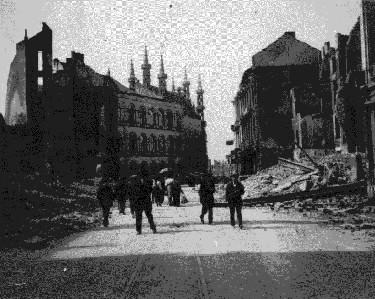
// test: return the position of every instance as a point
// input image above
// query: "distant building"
(262, 126)
(161, 128)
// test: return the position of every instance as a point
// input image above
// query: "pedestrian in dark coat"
(158, 192)
(233, 192)
(176, 192)
(206, 195)
(143, 188)
(132, 193)
(105, 197)
(121, 194)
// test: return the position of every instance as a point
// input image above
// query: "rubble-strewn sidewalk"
(36, 213)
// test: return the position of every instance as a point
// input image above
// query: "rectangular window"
(40, 61)
(40, 81)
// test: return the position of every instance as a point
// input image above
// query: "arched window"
(144, 143)
(155, 119)
(171, 144)
(150, 117)
(149, 145)
(154, 143)
(132, 116)
(132, 143)
(169, 120)
(167, 145)
(139, 144)
(142, 116)
(162, 118)
(121, 115)
(178, 121)
(161, 144)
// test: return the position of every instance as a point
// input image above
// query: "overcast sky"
(211, 37)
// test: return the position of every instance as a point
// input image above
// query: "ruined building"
(29, 79)
(77, 117)
(263, 106)
(28, 90)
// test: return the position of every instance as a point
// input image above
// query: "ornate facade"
(160, 128)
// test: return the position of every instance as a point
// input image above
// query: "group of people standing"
(142, 192)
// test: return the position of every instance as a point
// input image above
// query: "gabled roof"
(286, 50)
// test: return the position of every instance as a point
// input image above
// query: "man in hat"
(206, 195)
(233, 192)
(105, 198)
(142, 188)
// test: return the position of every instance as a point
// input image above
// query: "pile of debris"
(268, 180)
(36, 213)
(347, 210)
(291, 177)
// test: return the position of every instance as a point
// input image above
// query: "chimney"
(290, 33)
(326, 48)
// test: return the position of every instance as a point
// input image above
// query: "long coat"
(105, 196)
(206, 191)
(121, 190)
(142, 189)
(233, 193)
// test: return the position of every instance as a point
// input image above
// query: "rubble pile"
(347, 210)
(343, 167)
(272, 180)
(336, 169)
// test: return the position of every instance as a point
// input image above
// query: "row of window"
(152, 144)
(247, 133)
(247, 100)
(155, 118)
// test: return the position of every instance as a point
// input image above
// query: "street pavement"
(276, 255)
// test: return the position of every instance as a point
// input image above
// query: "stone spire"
(173, 86)
(146, 67)
(109, 73)
(200, 89)
(162, 77)
(26, 38)
(186, 85)
(132, 78)
(200, 104)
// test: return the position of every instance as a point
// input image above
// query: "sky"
(214, 38)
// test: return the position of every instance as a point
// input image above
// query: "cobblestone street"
(282, 255)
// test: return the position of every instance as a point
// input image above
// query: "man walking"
(206, 195)
(176, 192)
(105, 198)
(143, 188)
(233, 193)
(132, 193)
(121, 193)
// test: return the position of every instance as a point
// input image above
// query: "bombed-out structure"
(74, 117)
